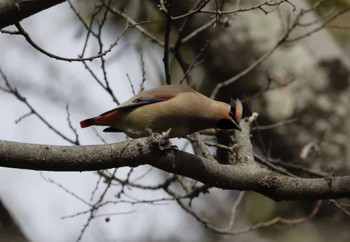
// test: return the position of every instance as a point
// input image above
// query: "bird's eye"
(231, 113)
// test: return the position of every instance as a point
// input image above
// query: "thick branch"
(155, 150)
(12, 12)
(81, 158)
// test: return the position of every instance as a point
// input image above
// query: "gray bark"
(12, 12)
(155, 150)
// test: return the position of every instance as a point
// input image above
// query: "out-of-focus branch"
(167, 41)
(69, 59)
(293, 26)
(12, 12)
(10, 89)
(128, 19)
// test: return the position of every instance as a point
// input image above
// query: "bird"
(177, 107)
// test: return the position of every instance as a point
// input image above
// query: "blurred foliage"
(339, 28)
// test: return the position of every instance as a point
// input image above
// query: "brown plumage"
(178, 107)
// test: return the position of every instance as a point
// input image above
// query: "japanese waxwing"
(178, 107)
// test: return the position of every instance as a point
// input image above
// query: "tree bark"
(156, 150)
(12, 12)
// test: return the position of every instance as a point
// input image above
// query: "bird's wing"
(155, 95)
(138, 101)
(159, 94)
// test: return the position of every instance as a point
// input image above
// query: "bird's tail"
(87, 122)
(106, 119)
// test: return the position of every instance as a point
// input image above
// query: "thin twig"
(51, 55)
(270, 3)
(340, 207)
(274, 125)
(167, 42)
(235, 206)
(264, 162)
(71, 126)
(134, 23)
(24, 100)
(143, 71)
(322, 26)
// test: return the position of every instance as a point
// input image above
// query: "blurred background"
(292, 60)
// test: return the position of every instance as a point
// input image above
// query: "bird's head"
(234, 116)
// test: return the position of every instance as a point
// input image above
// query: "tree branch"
(155, 150)
(12, 12)
(81, 158)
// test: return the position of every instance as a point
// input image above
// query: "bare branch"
(70, 158)
(74, 130)
(274, 125)
(258, 6)
(51, 55)
(246, 174)
(320, 27)
(167, 41)
(341, 207)
(133, 22)
(251, 67)
(33, 111)
(12, 12)
(230, 231)
(143, 71)
(86, 26)
(234, 210)
(198, 31)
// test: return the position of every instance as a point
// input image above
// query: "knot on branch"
(161, 140)
(252, 118)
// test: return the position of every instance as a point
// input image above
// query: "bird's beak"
(236, 125)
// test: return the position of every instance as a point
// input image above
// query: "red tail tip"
(86, 123)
